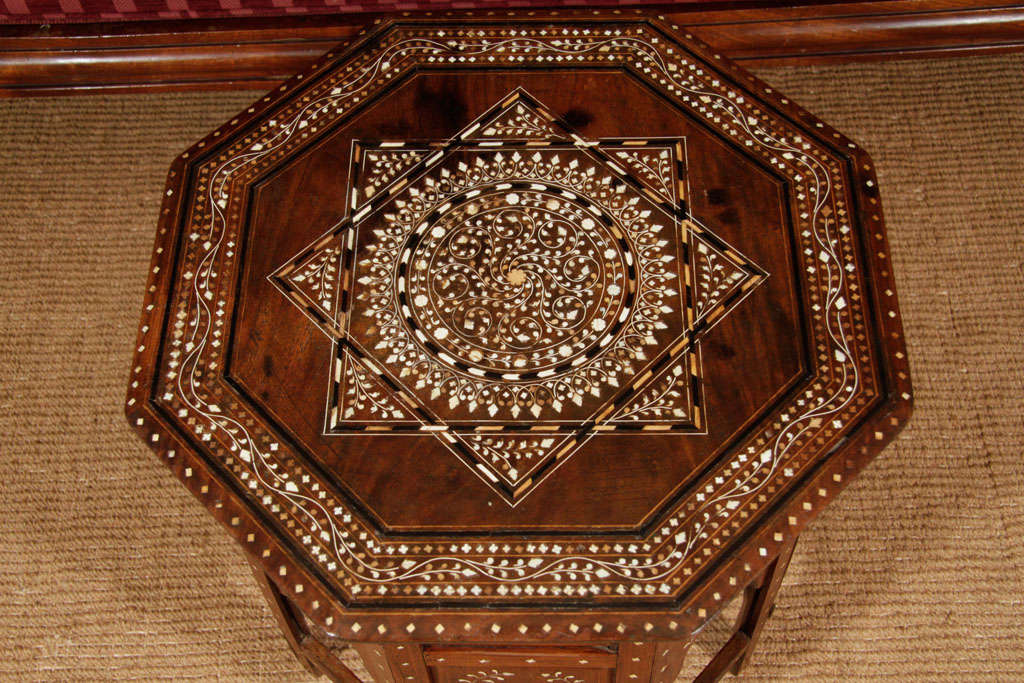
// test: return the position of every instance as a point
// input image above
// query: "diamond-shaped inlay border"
(517, 276)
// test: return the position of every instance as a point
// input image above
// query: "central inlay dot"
(516, 276)
(516, 282)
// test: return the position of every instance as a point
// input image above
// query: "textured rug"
(110, 570)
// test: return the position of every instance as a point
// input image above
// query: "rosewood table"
(512, 347)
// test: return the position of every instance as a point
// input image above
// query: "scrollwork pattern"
(364, 394)
(317, 277)
(488, 676)
(665, 399)
(653, 165)
(546, 318)
(715, 274)
(512, 456)
(518, 122)
(520, 286)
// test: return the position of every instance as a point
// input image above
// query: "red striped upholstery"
(63, 11)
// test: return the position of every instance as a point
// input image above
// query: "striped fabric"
(66, 11)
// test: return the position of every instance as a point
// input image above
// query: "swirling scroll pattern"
(537, 331)
(514, 281)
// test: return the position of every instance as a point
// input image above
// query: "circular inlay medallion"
(515, 280)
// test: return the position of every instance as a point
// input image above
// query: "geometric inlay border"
(617, 213)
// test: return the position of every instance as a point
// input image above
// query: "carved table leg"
(313, 654)
(758, 607)
(758, 601)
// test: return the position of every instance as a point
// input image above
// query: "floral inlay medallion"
(517, 290)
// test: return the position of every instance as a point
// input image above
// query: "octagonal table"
(511, 347)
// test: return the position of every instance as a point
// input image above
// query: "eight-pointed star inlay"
(516, 291)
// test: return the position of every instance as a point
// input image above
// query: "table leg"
(758, 606)
(758, 601)
(314, 655)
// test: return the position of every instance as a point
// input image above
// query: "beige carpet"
(109, 569)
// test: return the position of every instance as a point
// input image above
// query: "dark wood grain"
(257, 53)
(854, 31)
(668, 661)
(450, 665)
(343, 354)
(629, 495)
(636, 660)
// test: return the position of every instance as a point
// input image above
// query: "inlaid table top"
(541, 327)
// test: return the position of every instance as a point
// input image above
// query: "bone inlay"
(518, 275)
(606, 341)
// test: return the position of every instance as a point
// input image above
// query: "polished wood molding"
(256, 53)
(862, 31)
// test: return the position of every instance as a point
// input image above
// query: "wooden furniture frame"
(258, 53)
(660, 662)
(603, 320)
